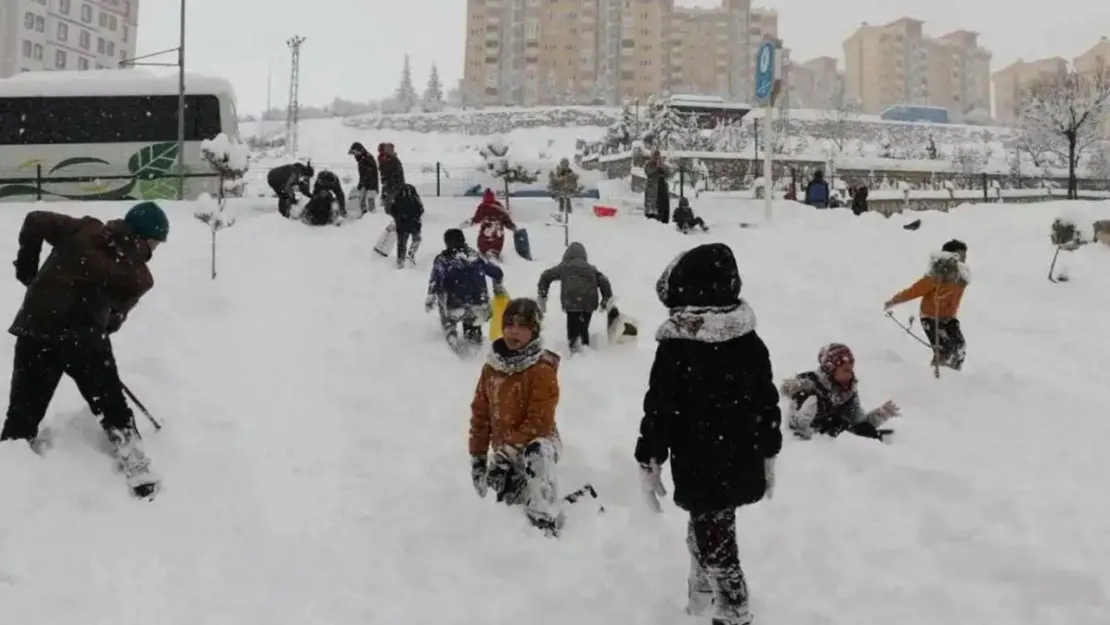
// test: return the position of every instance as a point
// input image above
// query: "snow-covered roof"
(108, 82)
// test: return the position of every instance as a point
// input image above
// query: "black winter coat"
(392, 172)
(408, 210)
(286, 179)
(711, 405)
(367, 172)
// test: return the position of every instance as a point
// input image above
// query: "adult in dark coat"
(392, 172)
(327, 205)
(286, 180)
(367, 176)
(712, 409)
(657, 195)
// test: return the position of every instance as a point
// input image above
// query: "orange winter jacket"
(514, 406)
(938, 299)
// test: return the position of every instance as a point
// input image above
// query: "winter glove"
(604, 305)
(500, 466)
(884, 413)
(115, 321)
(769, 477)
(499, 289)
(651, 485)
(478, 474)
(887, 305)
(429, 303)
(801, 418)
(26, 267)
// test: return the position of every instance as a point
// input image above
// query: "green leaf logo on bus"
(151, 169)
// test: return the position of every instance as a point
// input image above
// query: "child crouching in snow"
(941, 290)
(514, 443)
(826, 401)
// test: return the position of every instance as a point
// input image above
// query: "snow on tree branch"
(1065, 113)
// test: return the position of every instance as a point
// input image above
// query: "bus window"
(110, 119)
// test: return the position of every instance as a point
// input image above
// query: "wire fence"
(38, 184)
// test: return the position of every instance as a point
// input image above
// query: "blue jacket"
(817, 193)
(459, 278)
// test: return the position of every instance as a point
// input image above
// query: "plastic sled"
(387, 242)
(622, 329)
(522, 244)
(500, 302)
(604, 211)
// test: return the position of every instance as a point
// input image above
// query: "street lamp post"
(180, 65)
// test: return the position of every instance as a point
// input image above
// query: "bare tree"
(840, 114)
(1069, 110)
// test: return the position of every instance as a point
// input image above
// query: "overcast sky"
(355, 48)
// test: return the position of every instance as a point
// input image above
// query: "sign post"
(767, 82)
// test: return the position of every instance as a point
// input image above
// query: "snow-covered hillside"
(315, 457)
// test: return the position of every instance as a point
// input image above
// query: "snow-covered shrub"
(1066, 234)
(231, 160)
(499, 165)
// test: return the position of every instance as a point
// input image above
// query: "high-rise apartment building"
(38, 35)
(530, 52)
(1012, 82)
(816, 84)
(897, 63)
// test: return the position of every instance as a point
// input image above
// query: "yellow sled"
(500, 302)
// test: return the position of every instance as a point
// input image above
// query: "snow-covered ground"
(315, 460)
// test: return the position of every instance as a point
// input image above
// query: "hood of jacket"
(708, 324)
(575, 251)
(705, 276)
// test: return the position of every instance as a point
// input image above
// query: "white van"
(108, 134)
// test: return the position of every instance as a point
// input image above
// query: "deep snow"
(315, 450)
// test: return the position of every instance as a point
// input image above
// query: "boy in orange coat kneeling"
(514, 443)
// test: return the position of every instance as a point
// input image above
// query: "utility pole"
(293, 109)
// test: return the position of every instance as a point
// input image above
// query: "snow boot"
(132, 460)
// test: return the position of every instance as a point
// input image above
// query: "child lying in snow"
(826, 401)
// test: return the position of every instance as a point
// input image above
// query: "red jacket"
(492, 219)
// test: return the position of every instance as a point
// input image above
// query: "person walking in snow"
(580, 283)
(685, 220)
(514, 441)
(941, 290)
(711, 408)
(492, 219)
(826, 401)
(563, 184)
(327, 205)
(817, 191)
(408, 216)
(94, 277)
(392, 174)
(286, 180)
(367, 177)
(657, 195)
(458, 289)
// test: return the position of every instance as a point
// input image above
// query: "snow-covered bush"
(499, 165)
(231, 160)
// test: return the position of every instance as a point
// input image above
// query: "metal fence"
(34, 184)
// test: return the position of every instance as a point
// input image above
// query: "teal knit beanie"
(148, 221)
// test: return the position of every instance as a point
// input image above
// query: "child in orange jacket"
(941, 290)
(514, 443)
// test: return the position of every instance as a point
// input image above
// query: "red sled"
(604, 211)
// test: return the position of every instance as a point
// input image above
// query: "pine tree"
(406, 93)
(433, 93)
(663, 126)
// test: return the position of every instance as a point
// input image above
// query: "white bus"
(108, 134)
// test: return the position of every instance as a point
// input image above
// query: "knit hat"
(833, 355)
(489, 197)
(706, 275)
(524, 312)
(148, 221)
(454, 238)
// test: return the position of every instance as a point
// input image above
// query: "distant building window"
(60, 59)
(82, 63)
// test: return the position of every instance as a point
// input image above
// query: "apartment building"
(897, 63)
(1012, 82)
(44, 35)
(530, 52)
(816, 84)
